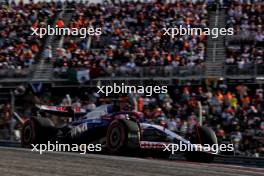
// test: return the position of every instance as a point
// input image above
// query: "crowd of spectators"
(243, 54)
(247, 20)
(132, 36)
(18, 47)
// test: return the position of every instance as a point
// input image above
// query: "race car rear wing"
(62, 110)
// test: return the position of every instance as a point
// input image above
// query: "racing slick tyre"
(29, 133)
(36, 131)
(116, 137)
(204, 135)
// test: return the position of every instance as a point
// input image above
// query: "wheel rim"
(115, 137)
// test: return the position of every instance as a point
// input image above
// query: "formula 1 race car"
(119, 132)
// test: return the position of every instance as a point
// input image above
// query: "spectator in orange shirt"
(35, 48)
(202, 37)
(229, 95)
(219, 96)
(140, 104)
(245, 101)
(59, 23)
(72, 46)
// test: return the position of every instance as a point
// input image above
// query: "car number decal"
(79, 129)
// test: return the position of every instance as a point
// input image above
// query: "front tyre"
(204, 135)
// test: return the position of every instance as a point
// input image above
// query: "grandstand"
(226, 73)
(113, 56)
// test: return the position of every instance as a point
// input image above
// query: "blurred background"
(219, 80)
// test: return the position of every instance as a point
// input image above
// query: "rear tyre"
(204, 135)
(36, 131)
(116, 137)
(29, 134)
